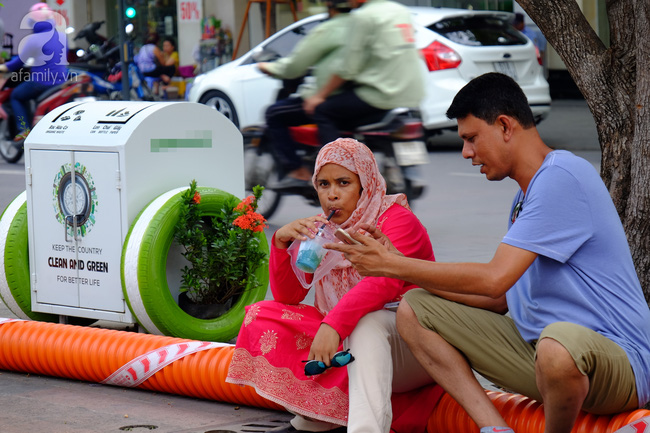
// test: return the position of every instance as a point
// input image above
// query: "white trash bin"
(91, 168)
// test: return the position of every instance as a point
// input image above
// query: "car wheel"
(222, 103)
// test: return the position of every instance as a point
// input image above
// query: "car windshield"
(284, 44)
(478, 30)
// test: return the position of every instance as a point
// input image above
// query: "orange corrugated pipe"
(523, 414)
(94, 354)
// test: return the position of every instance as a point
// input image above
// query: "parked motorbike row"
(96, 74)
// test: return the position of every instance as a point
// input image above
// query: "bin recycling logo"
(74, 199)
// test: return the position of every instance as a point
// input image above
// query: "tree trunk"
(615, 82)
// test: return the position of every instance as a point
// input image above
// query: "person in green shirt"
(378, 69)
(318, 50)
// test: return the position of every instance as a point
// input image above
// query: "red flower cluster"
(246, 205)
(249, 219)
(197, 197)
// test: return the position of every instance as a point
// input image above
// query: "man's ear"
(506, 124)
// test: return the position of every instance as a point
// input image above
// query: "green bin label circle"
(74, 205)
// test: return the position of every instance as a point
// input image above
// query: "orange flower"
(245, 204)
(250, 221)
(197, 197)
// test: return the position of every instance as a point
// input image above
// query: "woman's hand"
(326, 343)
(299, 229)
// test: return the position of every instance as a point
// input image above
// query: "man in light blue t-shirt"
(578, 333)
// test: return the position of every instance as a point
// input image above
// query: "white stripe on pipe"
(5, 224)
(131, 255)
(6, 320)
(139, 369)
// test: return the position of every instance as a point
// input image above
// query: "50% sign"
(189, 11)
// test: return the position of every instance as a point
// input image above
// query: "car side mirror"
(262, 54)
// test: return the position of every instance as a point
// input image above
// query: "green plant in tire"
(222, 249)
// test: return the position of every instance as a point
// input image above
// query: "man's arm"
(450, 280)
(307, 53)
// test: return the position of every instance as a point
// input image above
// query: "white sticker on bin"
(136, 371)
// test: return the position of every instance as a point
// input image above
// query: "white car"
(456, 46)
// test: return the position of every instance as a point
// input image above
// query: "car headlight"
(198, 79)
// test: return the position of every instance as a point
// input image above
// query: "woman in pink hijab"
(278, 336)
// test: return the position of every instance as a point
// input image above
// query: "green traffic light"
(130, 12)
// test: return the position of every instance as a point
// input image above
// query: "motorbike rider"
(319, 49)
(45, 48)
(381, 61)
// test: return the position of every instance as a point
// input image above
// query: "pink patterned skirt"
(273, 341)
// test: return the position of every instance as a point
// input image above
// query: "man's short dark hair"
(490, 95)
(519, 18)
(340, 5)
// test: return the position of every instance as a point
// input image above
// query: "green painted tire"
(144, 267)
(15, 284)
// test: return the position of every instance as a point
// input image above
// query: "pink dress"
(276, 335)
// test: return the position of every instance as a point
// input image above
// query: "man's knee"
(271, 114)
(593, 357)
(407, 321)
(553, 360)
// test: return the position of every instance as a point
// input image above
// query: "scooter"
(397, 141)
(73, 89)
(100, 51)
(101, 64)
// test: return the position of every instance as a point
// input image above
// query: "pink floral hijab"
(357, 158)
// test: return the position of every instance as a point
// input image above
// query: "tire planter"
(15, 284)
(144, 279)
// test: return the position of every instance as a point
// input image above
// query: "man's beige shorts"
(496, 350)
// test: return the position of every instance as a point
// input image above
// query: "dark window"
(479, 30)
(283, 45)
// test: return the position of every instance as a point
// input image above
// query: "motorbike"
(108, 84)
(101, 64)
(75, 88)
(101, 50)
(397, 141)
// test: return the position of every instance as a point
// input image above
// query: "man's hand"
(382, 238)
(326, 343)
(370, 258)
(262, 66)
(310, 104)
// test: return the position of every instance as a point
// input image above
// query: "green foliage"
(23, 127)
(223, 250)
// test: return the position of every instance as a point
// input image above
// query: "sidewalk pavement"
(465, 216)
